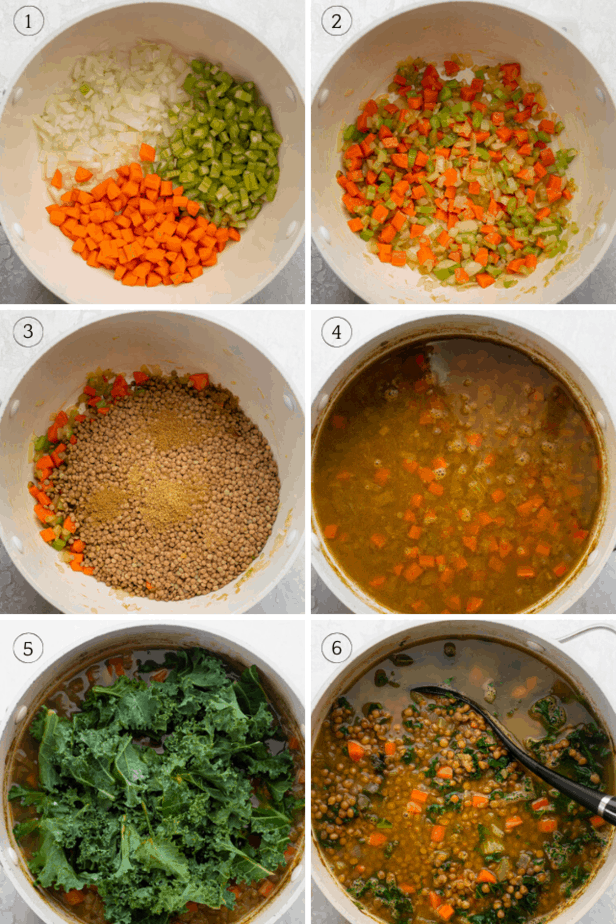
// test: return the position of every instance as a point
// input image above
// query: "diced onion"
(127, 102)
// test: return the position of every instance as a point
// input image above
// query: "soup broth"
(420, 812)
(456, 475)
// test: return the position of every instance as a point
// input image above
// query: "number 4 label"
(336, 332)
(337, 647)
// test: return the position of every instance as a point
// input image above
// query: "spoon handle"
(597, 802)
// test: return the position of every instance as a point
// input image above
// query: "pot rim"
(323, 877)
(110, 7)
(321, 565)
(147, 315)
(410, 7)
(293, 886)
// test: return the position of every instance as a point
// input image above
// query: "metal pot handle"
(597, 625)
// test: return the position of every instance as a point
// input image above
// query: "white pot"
(492, 33)
(268, 242)
(124, 342)
(580, 382)
(136, 636)
(553, 653)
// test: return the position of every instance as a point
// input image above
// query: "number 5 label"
(336, 647)
(336, 20)
(28, 647)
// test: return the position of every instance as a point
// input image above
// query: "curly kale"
(153, 827)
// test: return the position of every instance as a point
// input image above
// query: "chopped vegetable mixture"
(213, 155)
(459, 180)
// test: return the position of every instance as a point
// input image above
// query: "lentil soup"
(421, 814)
(217, 781)
(456, 475)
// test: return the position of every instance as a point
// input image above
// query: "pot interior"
(539, 349)
(282, 696)
(267, 243)
(491, 34)
(125, 342)
(466, 631)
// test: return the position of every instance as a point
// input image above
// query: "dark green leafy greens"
(161, 794)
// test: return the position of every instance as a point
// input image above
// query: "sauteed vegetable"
(457, 178)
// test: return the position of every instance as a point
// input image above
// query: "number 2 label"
(336, 20)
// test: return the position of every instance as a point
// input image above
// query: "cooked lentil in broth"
(419, 811)
(66, 700)
(456, 475)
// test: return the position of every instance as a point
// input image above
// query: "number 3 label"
(336, 20)
(337, 647)
(28, 332)
(28, 647)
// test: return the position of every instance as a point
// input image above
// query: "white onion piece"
(127, 103)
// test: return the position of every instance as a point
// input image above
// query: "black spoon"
(604, 806)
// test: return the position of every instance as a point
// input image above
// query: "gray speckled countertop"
(593, 650)
(589, 22)
(281, 332)
(281, 26)
(586, 335)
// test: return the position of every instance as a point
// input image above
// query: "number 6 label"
(336, 20)
(28, 648)
(336, 647)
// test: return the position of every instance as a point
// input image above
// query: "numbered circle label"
(337, 647)
(28, 647)
(336, 332)
(28, 332)
(29, 20)
(336, 20)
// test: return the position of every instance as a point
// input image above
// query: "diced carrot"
(547, 825)
(47, 535)
(498, 495)
(540, 803)
(513, 822)
(474, 604)
(480, 801)
(355, 750)
(486, 875)
(596, 821)
(445, 911)
(437, 834)
(445, 773)
(377, 839)
(378, 540)
(82, 175)
(418, 795)
(330, 531)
